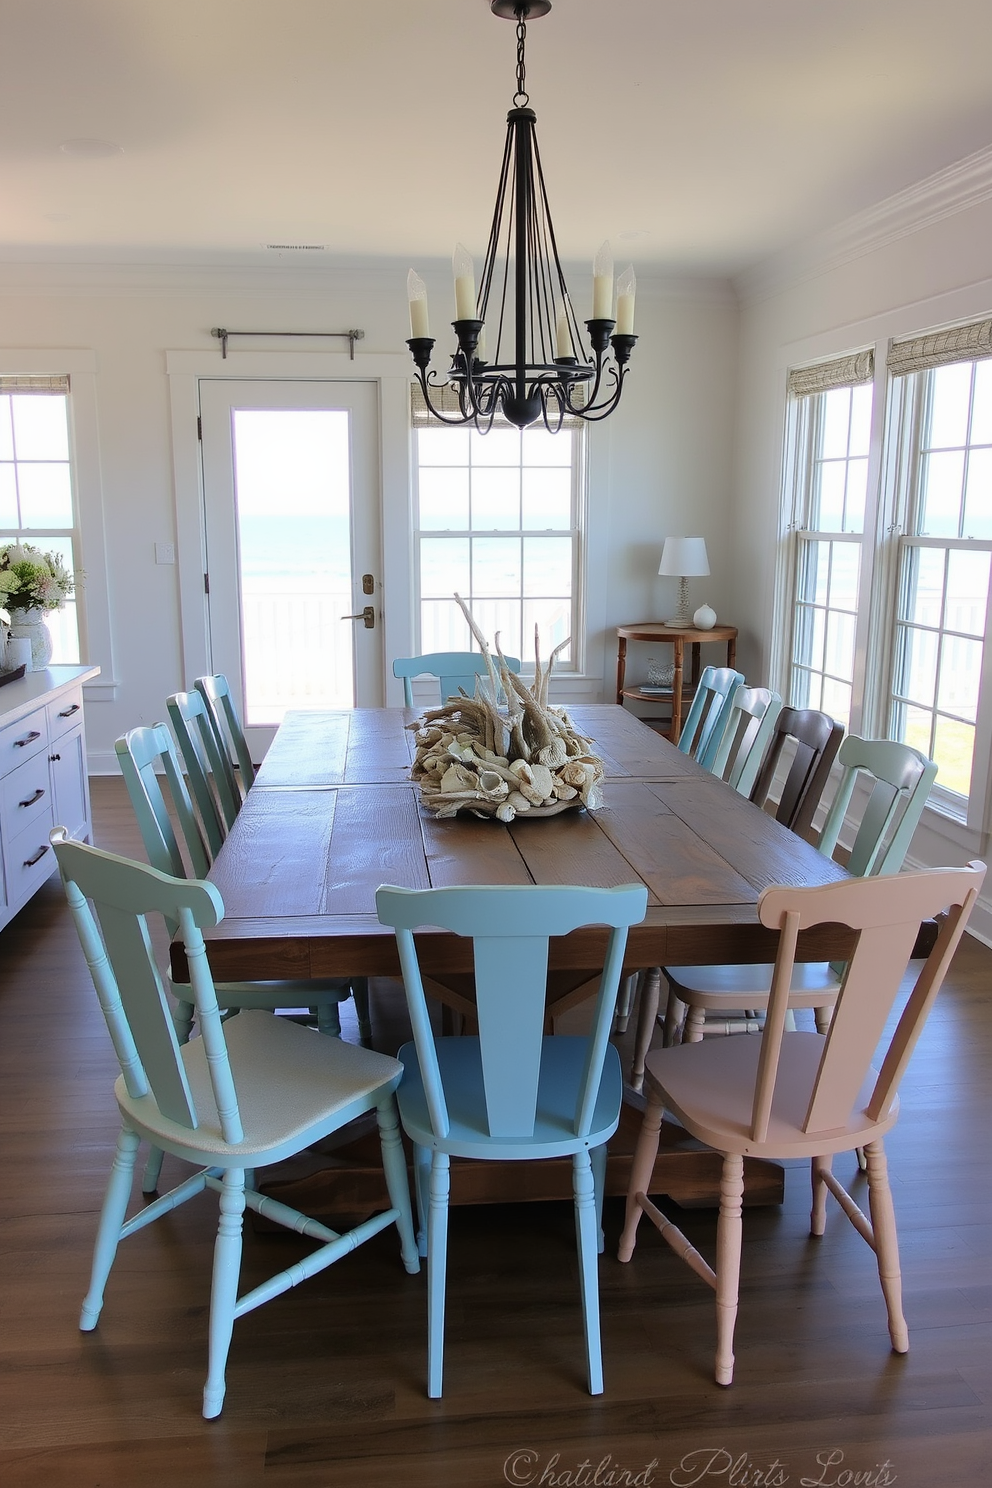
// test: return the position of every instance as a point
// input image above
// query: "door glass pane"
(292, 508)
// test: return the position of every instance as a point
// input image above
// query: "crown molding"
(955, 189)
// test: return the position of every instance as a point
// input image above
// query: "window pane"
(981, 412)
(943, 476)
(960, 674)
(443, 497)
(915, 729)
(839, 657)
(46, 496)
(547, 499)
(951, 390)
(6, 429)
(443, 627)
(978, 497)
(547, 566)
(498, 447)
(495, 566)
(41, 431)
(63, 624)
(954, 750)
(500, 617)
(925, 585)
(8, 497)
(916, 672)
(844, 576)
(857, 491)
(814, 572)
(861, 397)
(496, 499)
(542, 448)
(836, 423)
(442, 446)
(967, 591)
(552, 618)
(830, 506)
(818, 627)
(444, 569)
(837, 700)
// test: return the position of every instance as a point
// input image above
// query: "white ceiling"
(699, 135)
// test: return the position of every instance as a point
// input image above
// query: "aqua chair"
(746, 736)
(704, 725)
(453, 669)
(200, 752)
(148, 758)
(235, 756)
(511, 1094)
(245, 1094)
(898, 780)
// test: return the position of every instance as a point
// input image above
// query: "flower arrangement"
(525, 759)
(31, 579)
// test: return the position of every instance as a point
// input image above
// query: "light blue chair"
(453, 669)
(204, 769)
(245, 1094)
(510, 1094)
(703, 728)
(232, 744)
(746, 736)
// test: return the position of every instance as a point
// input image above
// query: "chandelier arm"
(594, 413)
(552, 391)
(442, 418)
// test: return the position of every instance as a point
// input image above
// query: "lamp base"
(682, 619)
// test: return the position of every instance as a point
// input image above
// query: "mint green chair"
(708, 716)
(194, 731)
(510, 1094)
(245, 1094)
(453, 669)
(232, 746)
(746, 736)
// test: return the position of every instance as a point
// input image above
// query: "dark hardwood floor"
(326, 1384)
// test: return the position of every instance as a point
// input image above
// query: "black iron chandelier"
(541, 368)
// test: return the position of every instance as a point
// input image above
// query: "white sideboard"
(43, 780)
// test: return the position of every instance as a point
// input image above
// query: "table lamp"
(683, 558)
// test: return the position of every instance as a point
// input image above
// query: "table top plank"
(571, 848)
(274, 864)
(469, 850)
(376, 840)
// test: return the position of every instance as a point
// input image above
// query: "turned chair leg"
(883, 1223)
(641, 1170)
(728, 1264)
(647, 1017)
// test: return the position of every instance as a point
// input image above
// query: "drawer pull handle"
(68, 712)
(30, 862)
(54, 757)
(31, 799)
(28, 739)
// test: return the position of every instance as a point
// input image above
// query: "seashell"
(493, 785)
(564, 791)
(518, 801)
(457, 778)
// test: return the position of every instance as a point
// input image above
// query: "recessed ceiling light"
(297, 247)
(90, 149)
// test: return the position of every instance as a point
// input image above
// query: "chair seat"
(460, 1060)
(812, 983)
(293, 1088)
(710, 1088)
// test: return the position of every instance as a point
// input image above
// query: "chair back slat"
(887, 912)
(142, 753)
(201, 756)
(454, 670)
(709, 713)
(753, 711)
(816, 738)
(510, 928)
(216, 693)
(131, 992)
(901, 780)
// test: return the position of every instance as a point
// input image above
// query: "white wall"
(797, 311)
(661, 464)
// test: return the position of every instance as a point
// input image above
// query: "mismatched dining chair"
(707, 717)
(245, 1094)
(900, 779)
(453, 669)
(814, 739)
(200, 752)
(511, 1093)
(746, 734)
(805, 1095)
(235, 755)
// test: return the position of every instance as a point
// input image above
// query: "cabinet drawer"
(28, 859)
(65, 714)
(19, 741)
(25, 794)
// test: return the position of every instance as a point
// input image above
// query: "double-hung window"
(36, 496)
(498, 520)
(828, 513)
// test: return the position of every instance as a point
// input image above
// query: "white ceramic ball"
(704, 618)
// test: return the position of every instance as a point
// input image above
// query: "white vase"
(704, 618)
(31, 625)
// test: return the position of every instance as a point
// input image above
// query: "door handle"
(368, 615)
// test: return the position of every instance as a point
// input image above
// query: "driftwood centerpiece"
(522, 758)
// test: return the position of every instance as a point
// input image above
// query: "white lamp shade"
(684, 557)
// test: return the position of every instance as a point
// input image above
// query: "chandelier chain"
(521, 98)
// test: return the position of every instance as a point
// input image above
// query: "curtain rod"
(222, 335)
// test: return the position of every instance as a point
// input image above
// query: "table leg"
(621, 666)
(678, 645)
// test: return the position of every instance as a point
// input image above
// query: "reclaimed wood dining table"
(333, 814)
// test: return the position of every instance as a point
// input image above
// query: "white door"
(293, 548)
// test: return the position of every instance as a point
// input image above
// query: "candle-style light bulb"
(602, 284)
(416, 293)
(464, 271)
(563, 333)
(626, 289)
